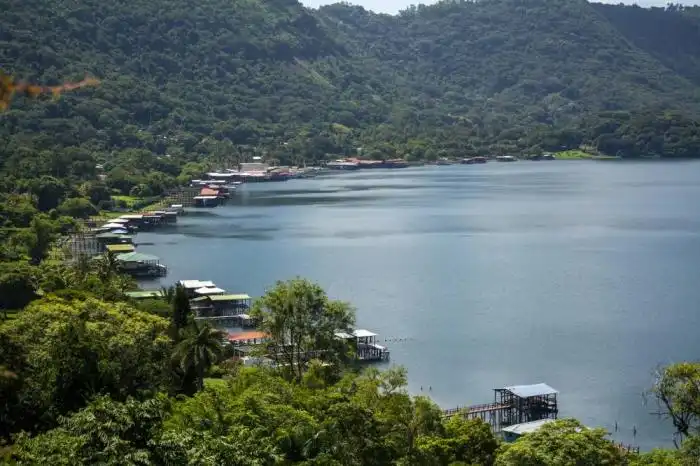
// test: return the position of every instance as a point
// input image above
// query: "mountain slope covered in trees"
(218, 80)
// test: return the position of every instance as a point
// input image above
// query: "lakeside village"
(515, 410)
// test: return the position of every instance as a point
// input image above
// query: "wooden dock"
(512, 405)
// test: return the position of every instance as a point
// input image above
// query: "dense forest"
(88, 376)
(222, 80)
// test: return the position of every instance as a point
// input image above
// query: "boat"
(506, 158)
(474, 160)
(343, 165)
(542, 157)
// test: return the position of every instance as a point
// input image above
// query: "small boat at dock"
(474, 160)
(506, 158)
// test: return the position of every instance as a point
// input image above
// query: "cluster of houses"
(232, 310)
(117, 237)
(212, 193)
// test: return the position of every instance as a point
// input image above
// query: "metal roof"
(209, 290)
(343, 335)
(361, 333)
(128, 247)
(243, 336)
(113, 225)
(196, 283)
(119, 220)
(113, 234)
(526, 427)
(229, 297)
(137, 257)
(527, 391)
(144, 294)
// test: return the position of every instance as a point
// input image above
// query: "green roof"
(112, 235)
(222, 297)
(144, 294)
(229, 297)
(120, 247)
(137, 257)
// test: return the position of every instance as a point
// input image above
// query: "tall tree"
(66, 352)
(301, 323)
(563, 442)
(677, 393)
(198, 350)
(181, 310)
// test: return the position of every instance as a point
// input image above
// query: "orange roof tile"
(242, 336)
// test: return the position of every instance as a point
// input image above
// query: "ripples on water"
(578, 274)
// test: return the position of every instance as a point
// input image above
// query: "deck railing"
(475, 409)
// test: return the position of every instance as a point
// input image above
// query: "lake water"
(583, 275)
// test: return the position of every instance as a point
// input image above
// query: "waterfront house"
(191, 285)
(247, 338)
(141, 265)
(366, 346)
(224, 308)
(114, 237)
(209, 290)
(178, 209)
(514, 432)
(111, 226)
(207, 198)
(221, 304)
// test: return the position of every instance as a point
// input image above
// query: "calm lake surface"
(583, 275)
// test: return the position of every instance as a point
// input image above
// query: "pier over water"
(513, 405)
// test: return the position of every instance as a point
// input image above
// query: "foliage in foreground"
(85, 381)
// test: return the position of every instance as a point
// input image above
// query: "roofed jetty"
(512, 405)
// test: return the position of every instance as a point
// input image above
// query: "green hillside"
(220, 80)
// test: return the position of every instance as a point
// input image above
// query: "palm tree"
(107, 266)
(198, 350)
(168, 293)
(181, 311)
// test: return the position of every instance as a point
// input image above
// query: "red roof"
(243, 336)
(208, 192)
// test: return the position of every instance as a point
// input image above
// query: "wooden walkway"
(476, 410)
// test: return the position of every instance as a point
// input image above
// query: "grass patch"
(576, 154)
(128, 200)
(573, 154)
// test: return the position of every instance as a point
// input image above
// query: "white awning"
(195, 284)
(361, 333)
(209, 290)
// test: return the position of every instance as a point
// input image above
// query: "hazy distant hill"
(217, 77)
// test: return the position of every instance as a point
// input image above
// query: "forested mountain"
(184, 82)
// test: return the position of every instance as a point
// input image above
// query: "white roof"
(208, 198)
(113, 225)
(361, 333)
(244, 316)
(209, 290)
(132, 216)
(120, 220)
(526, 391)
(343, 335)
(526, 427)
(194, 284)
